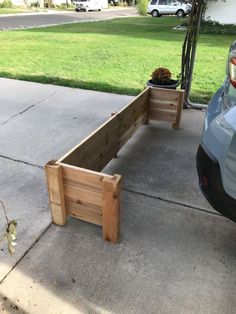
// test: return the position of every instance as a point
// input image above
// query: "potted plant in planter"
(161, 77)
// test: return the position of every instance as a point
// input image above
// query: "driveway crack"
(21, 161)
(25, 253)
(26, 109)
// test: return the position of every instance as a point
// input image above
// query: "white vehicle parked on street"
(159, 7)
(90, 5)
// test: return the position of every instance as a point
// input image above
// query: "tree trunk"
(189, 47)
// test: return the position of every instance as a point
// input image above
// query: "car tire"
(180, 13)
(77, 10)
(155, 13)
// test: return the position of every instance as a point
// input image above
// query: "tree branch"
(5, 212)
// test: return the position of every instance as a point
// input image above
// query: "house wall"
(18, 2)
(222, 11)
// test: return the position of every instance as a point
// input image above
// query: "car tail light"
(204, 181)
(232, 71)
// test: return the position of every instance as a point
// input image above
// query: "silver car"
(216, 157)
(159, 7)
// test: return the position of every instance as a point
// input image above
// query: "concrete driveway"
(176, 254)
(30, 20)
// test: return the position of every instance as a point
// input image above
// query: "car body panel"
(210, 182)
(219, 138)
(89, 5)
(168, 6)
(219, 144)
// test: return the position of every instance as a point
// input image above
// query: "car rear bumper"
(210, 182)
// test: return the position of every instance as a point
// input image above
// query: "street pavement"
(176, 254)
(29, 20)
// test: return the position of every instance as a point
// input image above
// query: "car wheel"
(180, 13)
(155, 13)
(77, 10)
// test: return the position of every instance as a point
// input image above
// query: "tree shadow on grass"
(201, 96)
(119, 27)
(90, 85)
(136, 28)
(196, 95)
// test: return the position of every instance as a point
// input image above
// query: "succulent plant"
(161, 76)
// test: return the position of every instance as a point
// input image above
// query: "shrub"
(6, 4)
(161, 76)
(142, 7)
(35, 4)
(213, 27)
(48, 4)
(64, 6)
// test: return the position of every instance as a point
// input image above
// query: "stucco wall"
(222, 11)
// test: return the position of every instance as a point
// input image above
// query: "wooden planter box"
(76, 186)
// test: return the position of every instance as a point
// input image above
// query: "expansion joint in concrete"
(172, 202)
(20, 161)
(26, 252)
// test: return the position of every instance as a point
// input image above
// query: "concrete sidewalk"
(176, 254)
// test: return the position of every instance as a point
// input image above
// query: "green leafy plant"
(35, 4)
(6, 4)
(161, 76)
(142, 7)
(49, 4)
(11, 231)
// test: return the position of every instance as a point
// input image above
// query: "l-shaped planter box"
(77, 188)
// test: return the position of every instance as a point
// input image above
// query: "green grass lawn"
(115, 56)
(15, 10)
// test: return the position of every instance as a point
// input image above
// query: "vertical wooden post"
(111, 188)
(113, 114)
(55, 192)
(179, 110)
(148, 105)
